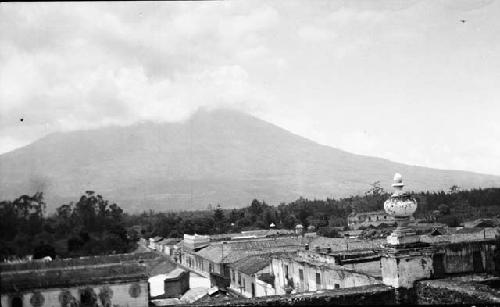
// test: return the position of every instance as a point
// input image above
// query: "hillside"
(218, 156)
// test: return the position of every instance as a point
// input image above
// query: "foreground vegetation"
(93, 226)
(90, 226)
(325, 216)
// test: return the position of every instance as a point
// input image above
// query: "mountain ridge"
(218, 156)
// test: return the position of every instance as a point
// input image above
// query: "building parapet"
(364, 295)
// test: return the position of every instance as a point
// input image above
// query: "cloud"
(328, 70)
(315, 34)
(78, 66)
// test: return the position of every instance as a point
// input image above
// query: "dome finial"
(398, 180)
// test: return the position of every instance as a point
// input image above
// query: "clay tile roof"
(380, 212)
(230, 252)
(339, 244)
(252, 264)
(468, 230)
(161, 265)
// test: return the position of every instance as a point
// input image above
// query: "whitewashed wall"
(121, 296)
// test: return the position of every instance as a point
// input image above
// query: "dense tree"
(93, 225)
(90, 226)
(219, 219)
(329, 232)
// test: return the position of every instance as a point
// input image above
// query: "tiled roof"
(483, 223)
(175, 273)
(161, 265)
(251, 233)
(339, 244)
(324, 265)
(467, 230)
(252, 264)
(232, 251)
(380, 212)
(169, 241)
(217, 254)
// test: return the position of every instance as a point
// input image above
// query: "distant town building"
(482, 223)
(214, 260)
(196, 241)
(366, 219)
(166, 246)
(251, 276)
(295, 273)
(299, 229)
(153, 241)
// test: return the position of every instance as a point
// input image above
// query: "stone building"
(366, 219)
(173, 284)
(213, 261)
(195, 242)
(251, 276)
(483, 223)
(344, 244)
(208, 259)
(295, 273)
(95, 285)
(166, 246)
(110, 280)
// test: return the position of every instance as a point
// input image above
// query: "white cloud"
(328, 70)
(315, 34)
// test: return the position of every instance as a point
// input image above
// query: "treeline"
(325, 216)
(91, 226)
(94, 226)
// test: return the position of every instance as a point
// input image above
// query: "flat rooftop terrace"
(12, 281)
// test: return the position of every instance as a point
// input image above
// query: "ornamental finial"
(402, 206)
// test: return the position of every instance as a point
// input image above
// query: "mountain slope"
(217, 156)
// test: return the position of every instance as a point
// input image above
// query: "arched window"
(88, 298)
(17, 301)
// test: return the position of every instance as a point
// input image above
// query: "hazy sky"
(404, 80)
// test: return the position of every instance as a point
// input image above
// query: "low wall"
(485, 234)
(366, 295)
(176, 287)
(75, 262)
(439, 292)
(467, 257)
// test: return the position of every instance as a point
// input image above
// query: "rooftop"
(175, 273)
(493, 222)
(319, 264)
(160, 265)
(82, 261)
(169, 241)
(342, 244)
(252, 264)
(379, 212)
(71, 276)
(232, 251)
